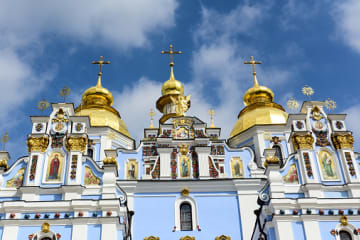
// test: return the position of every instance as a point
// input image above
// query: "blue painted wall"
(298, 231)
(94, 231)
(217, 215)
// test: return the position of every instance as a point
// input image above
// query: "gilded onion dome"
(172, 86)
(97, 103)
(259, 108)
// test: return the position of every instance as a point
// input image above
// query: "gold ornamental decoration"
(64, 92)
(4, 164)
(185, 192)
(271, 160)
(293, 104)
(343, 140)
(303, 141)
(43, 105)
(152, 238)
(151, 115)
(38, 144)
(308, 91)
(4, 139)
(76, 143)
(212, 113)
(330, 104)
(316, 113)
(183, 149)
(343, 220)
(187, 238)
(109, 161)
(61, 116)
(182, 104)
(223, 237)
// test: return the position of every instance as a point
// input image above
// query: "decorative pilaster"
(165, 167)
(203, 154)
(110, 174)
(37, 146)
(272, 164)
(76, 145)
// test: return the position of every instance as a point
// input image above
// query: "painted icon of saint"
(54, 167)
(237, 169)
(327, 163)
(131, 171)
(184, 168)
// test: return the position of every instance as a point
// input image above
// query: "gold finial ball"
(43, 104)
(65, 91)
(45, 227)
(330, 104)
(292, 103)
(307, 90)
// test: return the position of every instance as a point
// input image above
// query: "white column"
(109, 181)
(345, 168)
(275, 178)
(165, 170)
(311, 227)
(203, 158)
(108, 231)
(10, 232)
(79, 231)
(247, 205)
(284, 230)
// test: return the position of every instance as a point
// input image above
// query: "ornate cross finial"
(252, 62)
(43, 105)
(171, 52)
(308, 91)
(330, 104)
(4, 139)
(100, 63)
(293, 104)
(151, 114)
(212, 113)
(64, 92)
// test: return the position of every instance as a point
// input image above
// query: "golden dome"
(259, 109)
(97, 104)
(172, 86)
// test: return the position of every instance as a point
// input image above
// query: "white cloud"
(346, 17)
(121, 24)
(134, 103)
(352, 122)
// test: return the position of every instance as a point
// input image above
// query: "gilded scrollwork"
(223, 237)
(187, 238)
(110, 160)
(76, 143)
(343, 140)
(152, 238)
(4, 164)
(39, 144)
(303, 141)
(271, 160)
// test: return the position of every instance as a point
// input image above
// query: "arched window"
(185, 217)
(278, 154)
(344, 235)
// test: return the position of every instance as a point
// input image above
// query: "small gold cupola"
(172, 103)
(259, 107)
(97, 103)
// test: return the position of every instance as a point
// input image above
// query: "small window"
(185, 217)
(278, 154)
(90, 153)
(344, 235)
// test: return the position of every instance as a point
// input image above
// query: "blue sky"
(47, 45)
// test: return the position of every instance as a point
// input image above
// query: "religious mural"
(327, 166)
(292, 175)
(131, 169)
(54, 169)
(17, 180)
(184, 166)
(90, 178)
(237, 168)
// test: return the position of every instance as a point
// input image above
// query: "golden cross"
(171, 52)
(4, 139)
(212, 113)
(151, 114)
(252, 62)
(100, 63)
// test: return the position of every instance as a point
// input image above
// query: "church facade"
(277, 176)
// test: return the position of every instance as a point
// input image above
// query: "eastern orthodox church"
(277, 176)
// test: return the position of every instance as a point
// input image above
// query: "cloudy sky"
(46, 45)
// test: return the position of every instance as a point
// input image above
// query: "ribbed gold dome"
(260, 109)
(172, 86)
(97, 104)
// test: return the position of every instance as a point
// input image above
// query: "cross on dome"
(171, 52)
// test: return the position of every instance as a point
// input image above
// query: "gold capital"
(76, 143)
